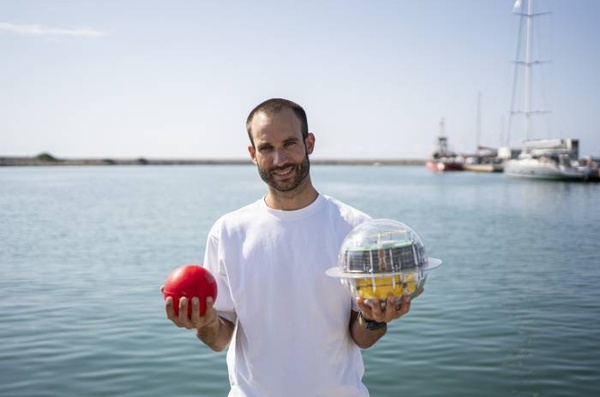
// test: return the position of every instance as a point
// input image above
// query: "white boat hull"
(538, 169)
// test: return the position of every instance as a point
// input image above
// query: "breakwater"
(47, 160)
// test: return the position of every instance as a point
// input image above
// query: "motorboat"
(443, 159)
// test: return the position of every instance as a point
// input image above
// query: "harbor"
(547, 159)
(555, 159)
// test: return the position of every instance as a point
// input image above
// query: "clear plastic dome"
(381, 257)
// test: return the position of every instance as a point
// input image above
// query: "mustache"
(283, 167)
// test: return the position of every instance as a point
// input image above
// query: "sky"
(177, 78)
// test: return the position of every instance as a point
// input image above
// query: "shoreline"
(41, 161)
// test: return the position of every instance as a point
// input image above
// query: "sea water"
(513, 311)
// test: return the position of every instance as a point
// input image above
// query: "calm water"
(514, 311)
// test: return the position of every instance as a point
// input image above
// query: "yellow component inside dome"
(382, 287)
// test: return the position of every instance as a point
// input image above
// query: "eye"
(265, 148)
(290, 143)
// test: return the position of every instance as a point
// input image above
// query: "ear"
(252, 151)
(310, 142)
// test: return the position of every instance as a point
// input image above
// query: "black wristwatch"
(372, 325)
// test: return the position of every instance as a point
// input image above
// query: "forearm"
(217, 334)
(361, 335)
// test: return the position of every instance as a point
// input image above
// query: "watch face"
(374, 325)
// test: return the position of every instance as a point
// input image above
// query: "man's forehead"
(260, 119)
(283, 122)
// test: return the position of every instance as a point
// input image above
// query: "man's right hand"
(196, 321)
(214, 331)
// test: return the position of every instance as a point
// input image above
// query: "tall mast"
(478, 127)
(528, 64)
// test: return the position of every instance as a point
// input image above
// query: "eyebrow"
(291, 140)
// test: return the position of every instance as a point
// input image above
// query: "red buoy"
(190, 281)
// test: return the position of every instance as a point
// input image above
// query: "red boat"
(444, 165)
(443, 159)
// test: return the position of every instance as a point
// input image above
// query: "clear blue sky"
(176, 78)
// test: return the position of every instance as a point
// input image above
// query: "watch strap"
(372, 325)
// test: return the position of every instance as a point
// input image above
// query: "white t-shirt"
(292, 333)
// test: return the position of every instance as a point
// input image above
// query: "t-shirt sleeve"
(355, 307)
(212, 261)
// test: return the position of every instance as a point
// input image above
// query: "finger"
(210, 314)
(362, 305)
(169, 308)
(388, 313)
(404, 307)
(390, 308)
(377, 313)
(365, 308)
(183, 318)
(209, 311)
(162, 289)
(195, 310)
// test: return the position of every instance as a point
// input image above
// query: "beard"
(301, 171)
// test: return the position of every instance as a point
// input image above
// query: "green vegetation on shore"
(46, 157)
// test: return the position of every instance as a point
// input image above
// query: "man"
(293, 330)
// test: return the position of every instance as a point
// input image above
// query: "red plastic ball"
(190, 281)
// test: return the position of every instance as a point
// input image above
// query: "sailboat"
(485, 158)
(555, 159)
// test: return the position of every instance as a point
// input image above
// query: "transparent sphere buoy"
(381, 257)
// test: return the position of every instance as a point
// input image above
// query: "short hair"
(275, 105)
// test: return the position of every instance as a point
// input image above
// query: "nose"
(280, 157)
